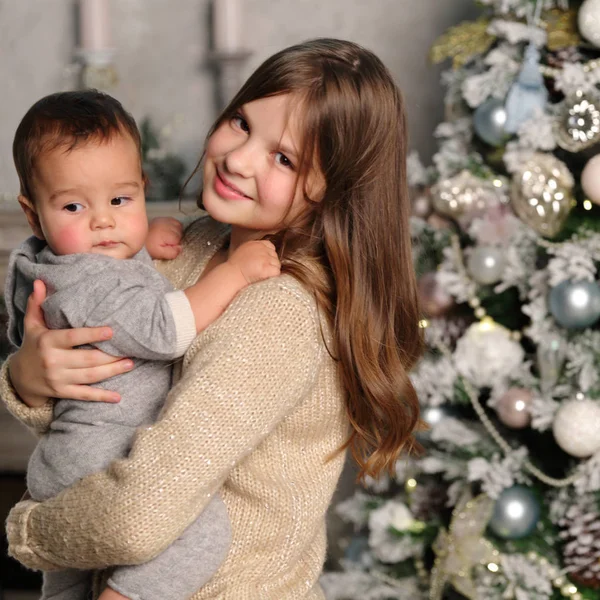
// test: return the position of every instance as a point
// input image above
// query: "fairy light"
(587, 204)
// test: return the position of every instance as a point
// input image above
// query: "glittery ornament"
(580, 534)
(590, 179)
(460, 549)
(463, 42)
(516, 513)
(486, 264)
(575, 304)
(435, 301)
(589, 21)
(578, 124)
(489, 122)
(561, 28)
(513, 408)
(542, 193)
(464, 195)
(576, 427)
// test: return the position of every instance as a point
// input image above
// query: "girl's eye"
(73, 207)
(119, 201)
(283, 160)
(241, 123)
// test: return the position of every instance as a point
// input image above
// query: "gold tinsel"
(462, 43)
(561, 27)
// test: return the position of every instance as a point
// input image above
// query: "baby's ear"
(32, 217)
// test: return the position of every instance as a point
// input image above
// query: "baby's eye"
(119, 201)
(283, 160)
(241, 123)
(73, 207)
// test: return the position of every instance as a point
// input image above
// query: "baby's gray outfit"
(151, 324)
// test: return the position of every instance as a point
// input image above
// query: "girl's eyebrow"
(287, 150)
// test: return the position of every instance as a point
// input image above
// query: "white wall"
(162, 46)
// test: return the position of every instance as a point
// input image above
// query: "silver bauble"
(486, 264)
(588, 19)
(516, 513)
(513, 407)
(576, 427)
(542, 193)
(575, 304)
(578, 124)
(489, 122)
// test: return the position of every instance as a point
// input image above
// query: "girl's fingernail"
(115, 398)
(128, 365)
(106, 333)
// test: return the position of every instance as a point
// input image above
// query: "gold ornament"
(578, 125)
(463, 547)
(561, 27)
(542, 193)
(465, 193)
(462, 43)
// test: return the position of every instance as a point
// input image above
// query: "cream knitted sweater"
(255, 412)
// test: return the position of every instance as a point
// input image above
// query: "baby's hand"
(164, 238)
(257, 260)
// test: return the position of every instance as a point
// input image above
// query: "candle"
(227, 25)
(94, 25)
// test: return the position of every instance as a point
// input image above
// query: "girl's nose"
(239, 161)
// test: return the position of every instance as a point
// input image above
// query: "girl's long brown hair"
(353, 249)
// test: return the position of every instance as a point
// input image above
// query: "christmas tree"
(505, 501)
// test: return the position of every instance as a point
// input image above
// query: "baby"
(78, 157)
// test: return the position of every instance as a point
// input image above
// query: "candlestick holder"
(97, 68)
(227, 67)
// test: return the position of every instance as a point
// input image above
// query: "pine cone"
(581, 551)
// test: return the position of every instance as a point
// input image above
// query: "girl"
(311, 152)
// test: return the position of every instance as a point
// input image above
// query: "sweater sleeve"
(243, 375)
(37, 419)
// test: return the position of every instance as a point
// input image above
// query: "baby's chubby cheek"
(68, 240)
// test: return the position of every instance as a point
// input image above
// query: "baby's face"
(91, 199)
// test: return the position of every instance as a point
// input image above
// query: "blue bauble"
(575, 304)
(516, 513)
(489, 122)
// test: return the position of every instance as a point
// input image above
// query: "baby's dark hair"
(67, 119)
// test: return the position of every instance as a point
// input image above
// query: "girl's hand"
(47, 366)
(164, 238)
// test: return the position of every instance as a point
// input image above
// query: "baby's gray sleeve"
(148, 321)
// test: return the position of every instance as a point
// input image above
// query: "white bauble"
(576, 427)
(590, 179)
(588, 19)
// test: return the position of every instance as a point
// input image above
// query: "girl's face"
(250, 169)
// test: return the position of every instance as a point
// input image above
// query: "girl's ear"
(32, 217)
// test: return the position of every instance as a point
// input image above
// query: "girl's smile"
(228, 191)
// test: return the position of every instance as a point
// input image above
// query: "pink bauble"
(590, 179)
(513, 408)
(434, 300)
